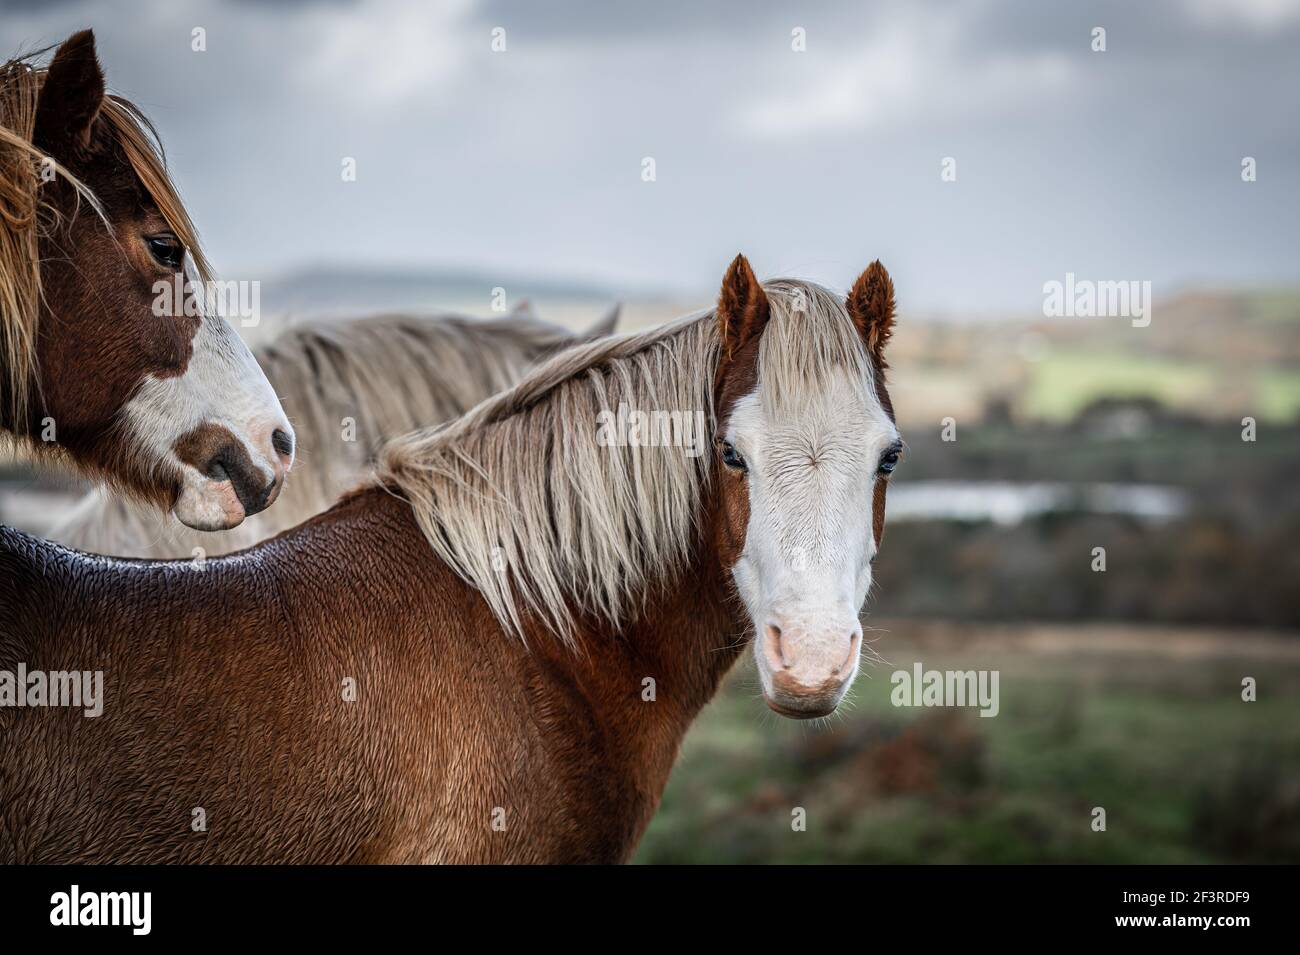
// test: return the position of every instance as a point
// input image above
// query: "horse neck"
(685, 637)
(692, 631)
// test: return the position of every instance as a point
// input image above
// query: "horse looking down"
(167, 404)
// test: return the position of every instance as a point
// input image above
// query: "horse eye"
(889, 461)
(731, 457)
(166, 249)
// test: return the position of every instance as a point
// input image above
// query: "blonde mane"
(348, 387)
(27, 215)
(525, 503)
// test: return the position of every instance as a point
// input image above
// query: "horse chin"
(809, 712)
(209, 506)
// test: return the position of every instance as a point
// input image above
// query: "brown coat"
(224, 690)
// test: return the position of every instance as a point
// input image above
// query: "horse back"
(333, 695)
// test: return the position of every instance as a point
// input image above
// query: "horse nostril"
(855, 646)
(773, 648)
(282, 441)
(249, 483)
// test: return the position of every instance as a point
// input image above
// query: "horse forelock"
(143, 147)
(523, 499)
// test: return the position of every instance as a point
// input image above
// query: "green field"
(1148, 725)
(1064, 383)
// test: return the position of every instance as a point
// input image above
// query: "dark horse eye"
(890, 460)
(166, 249)
(731, 457)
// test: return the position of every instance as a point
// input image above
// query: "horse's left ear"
(71, 96)
(871, 305)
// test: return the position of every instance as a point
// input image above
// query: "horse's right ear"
(71, 96)
(871, 305)
(742, 309)
(742, 315)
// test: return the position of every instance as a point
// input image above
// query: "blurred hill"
(1217, 355)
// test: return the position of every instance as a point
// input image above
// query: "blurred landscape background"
(523, 171)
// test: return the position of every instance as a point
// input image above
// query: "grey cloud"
(529, 161)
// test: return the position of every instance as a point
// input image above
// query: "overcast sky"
(1117, 165)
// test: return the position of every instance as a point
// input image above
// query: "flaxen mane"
(347, 386)
(28, 214)
(521, 498)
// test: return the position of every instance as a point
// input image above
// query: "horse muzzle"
(225, 482)
(806, 669)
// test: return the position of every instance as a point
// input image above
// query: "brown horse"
(95, 365)
(493, 653)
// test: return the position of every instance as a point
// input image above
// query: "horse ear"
(742, 308)
(71, 95)
(605, 327)
(871, 305)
